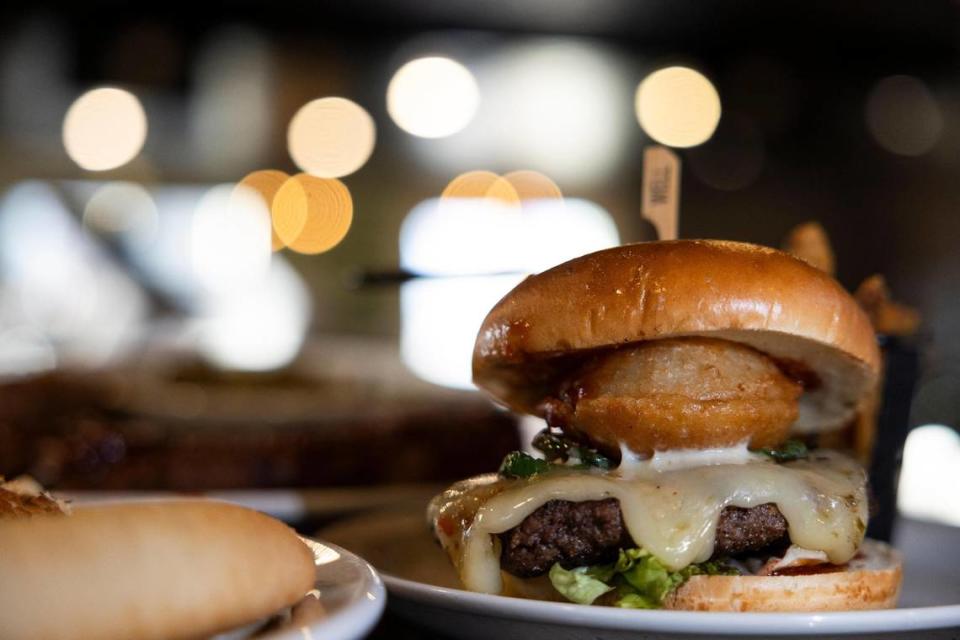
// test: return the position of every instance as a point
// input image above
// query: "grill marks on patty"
(576, 534)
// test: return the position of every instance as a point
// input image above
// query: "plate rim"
(741, 623)
(354, 620)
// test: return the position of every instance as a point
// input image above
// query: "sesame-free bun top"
(757, 296)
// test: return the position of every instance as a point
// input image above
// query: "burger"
(684, 385)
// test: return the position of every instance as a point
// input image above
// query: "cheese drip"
(673, 513)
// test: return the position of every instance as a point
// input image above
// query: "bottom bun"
(164, 569)
(870, 581)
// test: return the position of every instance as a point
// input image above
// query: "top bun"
(753, 295)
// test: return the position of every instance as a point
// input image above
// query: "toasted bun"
(869, 581)
(744, 293)
(172, 569)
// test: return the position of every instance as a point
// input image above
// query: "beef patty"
(576, 534)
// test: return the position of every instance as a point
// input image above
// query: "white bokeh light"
(259, 328)
(104, 129)
(331, 137)
(930, 475)
(454, 236)
(678, 107)
(230, 239)
(432, 97)
(451, 239)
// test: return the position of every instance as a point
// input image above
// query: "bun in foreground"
(166, 569)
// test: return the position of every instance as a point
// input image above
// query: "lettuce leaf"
(577, 585)
(640, 579)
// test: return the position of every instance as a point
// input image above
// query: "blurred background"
(247, 246)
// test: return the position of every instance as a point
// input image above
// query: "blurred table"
(346, 414)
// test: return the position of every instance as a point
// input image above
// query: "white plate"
(347, 601)
(423, 588)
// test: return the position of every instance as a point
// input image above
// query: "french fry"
(810, 243)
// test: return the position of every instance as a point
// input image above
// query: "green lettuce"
(578, 585)
(640, 580)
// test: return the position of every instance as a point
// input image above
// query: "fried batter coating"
(687, 393)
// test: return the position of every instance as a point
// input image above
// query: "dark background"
(794, 79)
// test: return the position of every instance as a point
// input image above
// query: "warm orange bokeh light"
(266, 183)
(510, 189)
(481, 184)
(312, 215)
(533, 185)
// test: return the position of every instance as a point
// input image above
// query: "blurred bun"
(170, 569)
(760, 297)
(869, 581)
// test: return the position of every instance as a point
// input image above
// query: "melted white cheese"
(673, 512)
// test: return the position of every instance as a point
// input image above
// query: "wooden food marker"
(661, 190)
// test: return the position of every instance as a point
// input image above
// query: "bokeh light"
(455, 238)
(104, 129)
(903, 116)
(230, 239)
(930, 475)
(331, 137)
(260, 327)
(489, 248)
(432, 97)
(266, 183)
(312, 215)
(481, 184)
(533, 185)
(124, 208)
(678, 107)
(512, 189)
